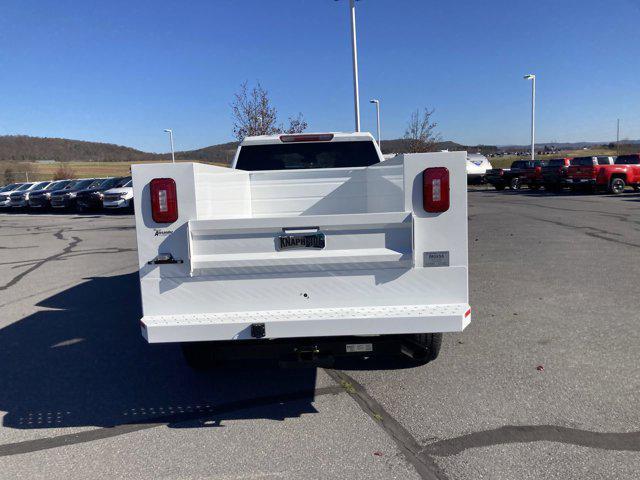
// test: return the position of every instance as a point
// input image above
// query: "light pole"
(354, 50)
(532, 77)
(173, 155)
(377, 104)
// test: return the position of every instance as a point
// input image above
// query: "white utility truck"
(310, 245)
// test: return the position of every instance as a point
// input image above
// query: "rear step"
(317, 322)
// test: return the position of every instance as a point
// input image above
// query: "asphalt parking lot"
(544, 384)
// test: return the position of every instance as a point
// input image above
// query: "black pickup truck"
(554, 174)
(522, 172)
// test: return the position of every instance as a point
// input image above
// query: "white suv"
(119, 197)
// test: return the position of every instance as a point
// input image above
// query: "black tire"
(199, 355)
(636, 188)
(499, 186)
(617, 185)
(515, 183)
(431, 343)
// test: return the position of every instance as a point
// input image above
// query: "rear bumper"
(493, 180)
(580, 181)
(320, 322)
(120, 203)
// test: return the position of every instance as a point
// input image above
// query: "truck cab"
(310, 244)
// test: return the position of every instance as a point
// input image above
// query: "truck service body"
(306, 236)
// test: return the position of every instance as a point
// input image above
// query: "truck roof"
(337, 137)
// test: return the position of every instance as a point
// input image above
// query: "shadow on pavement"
(83, 362)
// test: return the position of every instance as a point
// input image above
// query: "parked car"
(554, 174)
(91, 198)
(10, 187)
(119, 198)
(41, 199)
(65, 199)
(21, 199)
(583, 171)
(522, 172)
(310, 243)
(477, 166)
(5, 197)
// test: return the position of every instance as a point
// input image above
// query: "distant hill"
(564, 146)
(222, 153)
(401, 145)
(22, 148)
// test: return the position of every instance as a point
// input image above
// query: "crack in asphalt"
(77, 253)
(620, 216)
(73, 243)
(589, 231)
(626, 441)
(29, 446)
(406, 443)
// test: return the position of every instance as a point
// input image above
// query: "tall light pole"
(173, 155)
(354, 50)
(532, 77)
(618, 138)
(377, 104)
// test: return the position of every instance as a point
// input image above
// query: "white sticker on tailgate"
(359, 347)
(436, 259)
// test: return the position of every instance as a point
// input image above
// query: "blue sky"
(122, 71)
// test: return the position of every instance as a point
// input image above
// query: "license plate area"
(359, 347)
(289, 241)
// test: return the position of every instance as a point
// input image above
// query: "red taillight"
(164, 200)
(435, 189)
(316, 137)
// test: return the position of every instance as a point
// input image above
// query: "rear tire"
(617, 185)
(515, 183)
(199, 356)
(431, 343)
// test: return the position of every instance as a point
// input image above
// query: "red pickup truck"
(600, 173)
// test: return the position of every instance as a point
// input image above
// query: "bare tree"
(253, 114)
(9, 176)
(421, 132)
(296, 124)
(27, 170)
(64, 172)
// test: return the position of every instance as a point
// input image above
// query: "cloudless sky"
(121, 71)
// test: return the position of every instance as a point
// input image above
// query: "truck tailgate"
(351, 241)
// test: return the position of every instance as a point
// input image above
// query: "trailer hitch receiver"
(258, 330)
